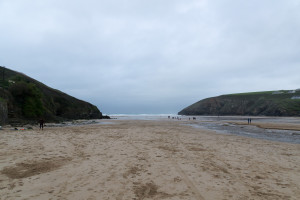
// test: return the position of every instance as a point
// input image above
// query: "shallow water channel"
(252, 131)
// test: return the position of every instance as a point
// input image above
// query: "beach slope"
(137, 159)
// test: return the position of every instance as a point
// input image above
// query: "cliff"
(3, 111)
(271, 103)
(23, 100)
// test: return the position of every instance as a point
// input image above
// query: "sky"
(152, 56)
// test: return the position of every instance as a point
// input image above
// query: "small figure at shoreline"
(249, 120)
(42, 122)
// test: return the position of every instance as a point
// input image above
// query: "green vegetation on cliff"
(269, 103)
(28, 100)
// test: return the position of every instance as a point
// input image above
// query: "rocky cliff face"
(272, 103)
(29, 100)
(3, 112)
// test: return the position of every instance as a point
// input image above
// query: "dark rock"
(3, 111)
(106, 117)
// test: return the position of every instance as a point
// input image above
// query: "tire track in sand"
(181, 172)
(186, 179)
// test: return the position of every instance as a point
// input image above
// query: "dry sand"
(144, 160)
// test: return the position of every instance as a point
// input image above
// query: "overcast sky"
(153, 56)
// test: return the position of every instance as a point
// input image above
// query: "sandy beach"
(146, 159)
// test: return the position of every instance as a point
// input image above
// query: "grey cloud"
(153, 56)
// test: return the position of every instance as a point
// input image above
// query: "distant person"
(42, 122)
(248, 120)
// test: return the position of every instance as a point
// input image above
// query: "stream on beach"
(221, 126)
(252, 131)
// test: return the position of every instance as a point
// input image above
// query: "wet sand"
(137, 159)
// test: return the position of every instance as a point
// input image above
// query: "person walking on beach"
(248, 120)
(42, 122)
